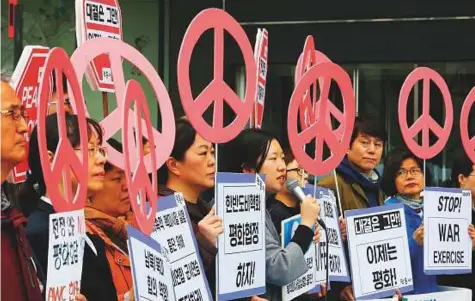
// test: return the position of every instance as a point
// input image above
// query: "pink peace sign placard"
(320, 129)
(119, 51)
(425, 122)
(65, 157)
(467, 142)
(140, 188)
(217, 90)
(309, 106)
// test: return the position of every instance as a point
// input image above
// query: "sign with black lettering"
(447, 246)
(67, 231)
(379, 251)
(306, 282)
(173, 230)
(444, 293)
(240, 261)
(338, 269)
(150, 268)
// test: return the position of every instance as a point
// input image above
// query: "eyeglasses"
(92, 151)
(300, 171)
(413, 172)
(16, 113)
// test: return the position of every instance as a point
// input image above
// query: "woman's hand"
(342, 223)
(80, 297)
(211, 226)
(316, 234)
(471, 233)
(419, 235)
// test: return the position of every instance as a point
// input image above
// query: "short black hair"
(185, 136)
(115, 145)
(462, 165)
(248, 150)
(393, 163)
(370, 126)
(36, 178)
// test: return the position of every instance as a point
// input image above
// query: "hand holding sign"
(217, 91)
(418, 235)
(320, 129)
(425, 122)
(211, 226)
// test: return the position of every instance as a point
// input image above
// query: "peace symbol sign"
(217, 91)
(425, 122)
(320, 129)
(117, 51)
(65, 156)
(468, 143)
(138, 183)
(310, 105)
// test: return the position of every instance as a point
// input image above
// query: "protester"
(22, 276)
(403, 181)
(287, 205)
(463, 177)
(357, 183)
(108, 212)
(38, 221)
(256, 151)
(191, 169)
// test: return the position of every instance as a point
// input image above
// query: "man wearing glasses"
(19, 275)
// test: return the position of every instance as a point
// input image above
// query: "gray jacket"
(283, 265)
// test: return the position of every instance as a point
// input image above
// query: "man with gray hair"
(19, 275)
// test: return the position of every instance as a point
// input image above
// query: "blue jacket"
(423, 283)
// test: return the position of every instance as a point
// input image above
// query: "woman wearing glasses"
(37, 229)
(403, 181)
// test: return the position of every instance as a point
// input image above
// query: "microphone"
(293, 186)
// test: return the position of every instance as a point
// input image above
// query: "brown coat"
(352, 194)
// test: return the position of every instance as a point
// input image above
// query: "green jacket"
(352, 194)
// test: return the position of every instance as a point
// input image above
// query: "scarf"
(414, 204)
(114, 228)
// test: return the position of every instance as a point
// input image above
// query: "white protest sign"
(447, 245)
(306, 282)
(241, 260)
(445, 293)
(172, 229)
(379, 251)
(338, 268)
(65, 255)
(150, 268)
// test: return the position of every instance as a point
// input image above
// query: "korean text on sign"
(241, 250)
(447, 246)
(172, 229)
(150, 267)
(338, 269)
(306, 282)
(65, 254)
(379, 251)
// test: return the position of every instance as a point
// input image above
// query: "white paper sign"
(338, 269)
(445, 293)
(240, 266)
(447, 245)
(150, 268)
(306, 282)
(379, 251)
(65, 254)
(173, 231)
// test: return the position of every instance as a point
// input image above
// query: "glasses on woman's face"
(300, 171)
(405, 172)
(93, 150)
